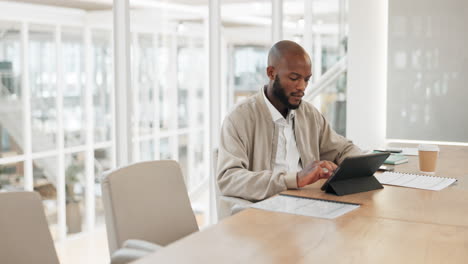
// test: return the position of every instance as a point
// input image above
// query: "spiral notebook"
(291, 204)
(424, 182)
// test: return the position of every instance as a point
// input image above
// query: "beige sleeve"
(333, 146)
(233, 177)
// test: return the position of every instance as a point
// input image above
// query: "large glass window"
(74, 82)
(75, 189)
(45, 183)
(170, 79)
(43, 85)
(102, 72)
(11, 110)
(102, 162)
(246, 41)
(12, 177)
(86, 73)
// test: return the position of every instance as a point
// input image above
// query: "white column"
(156, 102)
(89, 117)
(277, 20)
(61, 195)
(308, 26)
(214, 33)
(26, 92)
(225, 93)
(317, 58)
(173, 98)
(367, 72)
(112, 101)
(135, 62)
(192, 125)
(122, 84)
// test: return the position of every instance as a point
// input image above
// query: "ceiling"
(90, 5)
(80, 4)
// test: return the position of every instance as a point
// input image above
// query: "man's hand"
(315, 171)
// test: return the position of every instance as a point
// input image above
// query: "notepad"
(395, 159)
(424, 182)
(305, 206)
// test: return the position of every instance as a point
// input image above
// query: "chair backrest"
(147, 201)
(24, 234)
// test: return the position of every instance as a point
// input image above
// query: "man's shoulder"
(308, 109)
(248, 107)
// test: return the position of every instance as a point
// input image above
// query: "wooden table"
(393, 225)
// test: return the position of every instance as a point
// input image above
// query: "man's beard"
(278, 92)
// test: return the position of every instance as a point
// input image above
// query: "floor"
(90, 247)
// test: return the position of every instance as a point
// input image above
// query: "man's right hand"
(315, 171)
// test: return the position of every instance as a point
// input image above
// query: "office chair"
(24, 234)
(146, 203)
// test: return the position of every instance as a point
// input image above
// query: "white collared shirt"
(287, 154)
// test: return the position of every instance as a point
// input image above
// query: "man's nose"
(302, 85)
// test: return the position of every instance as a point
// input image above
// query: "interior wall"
(428, 70)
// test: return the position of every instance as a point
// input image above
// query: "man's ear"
(271, 72)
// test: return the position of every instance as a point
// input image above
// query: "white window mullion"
(13, 159)
(26, 92)
(214, 77)
(61, 195)
(122, 83)
(277, 20)
(156, 103)
(173, 96)
(89, 117)
(192, 122)
(112, 106)
(135, 61)
(308, 27)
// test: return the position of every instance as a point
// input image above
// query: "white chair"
(24, 234)
(148, 203)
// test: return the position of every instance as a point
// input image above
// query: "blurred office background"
(385, 71)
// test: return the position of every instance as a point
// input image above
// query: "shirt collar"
(275, 114)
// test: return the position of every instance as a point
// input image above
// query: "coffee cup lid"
(427, 147)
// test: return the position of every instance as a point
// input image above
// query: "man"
(274, 141)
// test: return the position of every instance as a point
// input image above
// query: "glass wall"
(12, 176)
(102, 83)
(11, 112)
(45, 183)
(74, 81)
(43, 85)
(245, 45)
(57, 109)
(169, 77)
(56, 114)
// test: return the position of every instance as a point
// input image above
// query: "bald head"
(286, 50)
(288, 71)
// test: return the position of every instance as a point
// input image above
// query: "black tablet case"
(356, 174)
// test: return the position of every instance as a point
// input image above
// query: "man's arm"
(234, 178)
(333, 146)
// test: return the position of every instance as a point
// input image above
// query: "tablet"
(357, 173)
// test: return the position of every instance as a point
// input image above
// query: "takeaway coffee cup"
(428, 155)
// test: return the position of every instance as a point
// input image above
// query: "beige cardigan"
(248, 145)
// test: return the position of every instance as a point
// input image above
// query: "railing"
(328, 95)
(326, 79)
(10, 110)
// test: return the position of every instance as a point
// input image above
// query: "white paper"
(415, 181)
(305, 206)
(410, 151)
